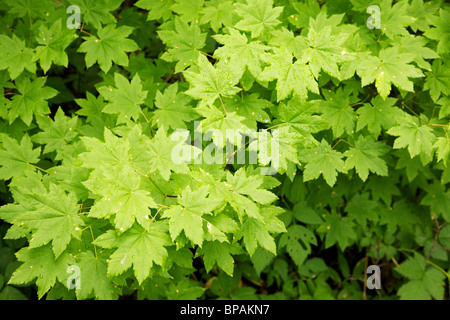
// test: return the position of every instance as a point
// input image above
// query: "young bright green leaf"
(258, 16)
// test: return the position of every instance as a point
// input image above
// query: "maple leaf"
(211, 82)
(258, 16)
(339, 230)
(97, 12)
(16, 158)
(337, 111)
(157, 9)
(219, 253)
(53, 42)
(419, 138)
(217, 13)
(32, 99)
(161, 158)
(255, 233)
(291, 76)
(173, 109)
(112, 152)
(15, 56)
(442, 31)
(94, 276)
(110, 46)
(324, 51)
(184, 41)
(57, 133)
(251, 107)
(52, 217)
(239, 52)
(297, 242)
(322, 160)
(137, 247)
(425, 282)
(187, 216)
(438, 80)
(188, 10)
(125, 99)
(121, 197)
(390, 67)
(42, 265)
(394, 18)
(377, 115)
(365, 157)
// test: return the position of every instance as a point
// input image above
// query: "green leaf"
(255, 234)
(425, 282)
(391, 67)
(140, 248)
(419, 138)
(97, 12)
(239, 52)
(187, 216)
(94, 278)
(219, 253)
(211, 82)
(110, 46)
(257, 16)
(339, 230)
(217, 13)
(173, 109)
(53, 217)
(377, 115)
(324, 161)
(184, 43)
(125, 99)
(292, 77)
(53, 43)
(16, 158)
(41, 265)
(30, 100)
(297, 241)
(365, 157)
(438, 80)
(15, 56)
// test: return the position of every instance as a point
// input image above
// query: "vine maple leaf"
(184, 41)
(110, 46)
(258, 16)
(210, 82)
(390, 67)
(15, 56)
(126, 99)
(291, 76)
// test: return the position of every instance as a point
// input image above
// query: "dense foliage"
(115, 139)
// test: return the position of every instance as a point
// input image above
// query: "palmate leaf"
(110, 46)
(15, 56)
(121, 197)
(40, 264)
(137, 247)
(365, 157)
(219, 253)
(208, 82)
(438, 80)
(391, 67)
(184, 41)
(126, 99)
(53, 217)
(173, 109)
(291, 76)
(322, 160)
(239, 52)
(97, 12)
(217, 13)
(425, 282)
(419, 138)
(30, 100)
(53, 42)
(187, 216)
(258, 16)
